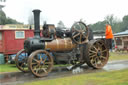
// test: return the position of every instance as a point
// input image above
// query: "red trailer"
(12, 37)
(11, 40)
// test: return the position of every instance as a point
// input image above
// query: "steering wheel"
(79, 32)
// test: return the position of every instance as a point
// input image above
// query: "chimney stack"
(36, 23)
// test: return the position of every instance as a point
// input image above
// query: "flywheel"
(79, 32)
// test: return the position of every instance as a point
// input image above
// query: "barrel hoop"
(65, 43)
(71, 45)
(46, 45)
(57, 44)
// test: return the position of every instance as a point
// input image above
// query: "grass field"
(118, 56)
(8, 68)
(13, 68)
(102, 78)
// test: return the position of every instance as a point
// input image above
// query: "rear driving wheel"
(40, 63)
(96, 54)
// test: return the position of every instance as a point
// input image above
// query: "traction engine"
(60, 47)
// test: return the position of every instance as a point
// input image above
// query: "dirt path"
(19, 77)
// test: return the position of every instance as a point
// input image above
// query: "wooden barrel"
(60, 45)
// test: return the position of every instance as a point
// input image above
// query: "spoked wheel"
(40, 63)
(96, 54)
(79, 32)
(21, 60)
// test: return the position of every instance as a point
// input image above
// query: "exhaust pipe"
(36, 23)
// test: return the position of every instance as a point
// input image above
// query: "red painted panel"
(1, 47)
(29, 33)
(1, 43)
(13, 45)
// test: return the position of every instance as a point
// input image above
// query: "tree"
(110, 19)
(98, 26)
(7, 20)
(61, 25)
(2, 18)
(114, 22)
(12, 21)
(117, 25)
(125, 23)
(31, 19)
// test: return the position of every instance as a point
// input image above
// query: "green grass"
(101, 78)
(13, 68)
(118, 56)
(8, 68)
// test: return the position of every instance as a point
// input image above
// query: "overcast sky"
(66, 10)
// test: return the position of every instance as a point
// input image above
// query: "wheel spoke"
(77, 30)
(36, 60)
(92, 51)
(76, 35)
(97, 45)
(103, 57)
(92, 56)
(44, 59)
(80, 40)
(84, 35)
(101, 44)
(40, 57)
(95, 62)
(34, 68)
(80, 27)
(74, 29)
(44, 70)
(48, 63)
(104, 51)
(37, 70)
(35, 65)
(95, 48)
(91, 61)
(22, 64)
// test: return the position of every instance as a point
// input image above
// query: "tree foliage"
(125, 23)
(117, 25)
(98, 26)
(12, 21)
(61, 25)
(31, 19)
(7, 20)
(2, 17)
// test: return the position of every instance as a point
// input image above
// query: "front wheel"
(40, 63)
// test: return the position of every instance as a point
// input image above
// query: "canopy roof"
(124, 33)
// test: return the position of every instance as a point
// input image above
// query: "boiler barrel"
(60, 45)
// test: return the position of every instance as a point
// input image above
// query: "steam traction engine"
(71, 47)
